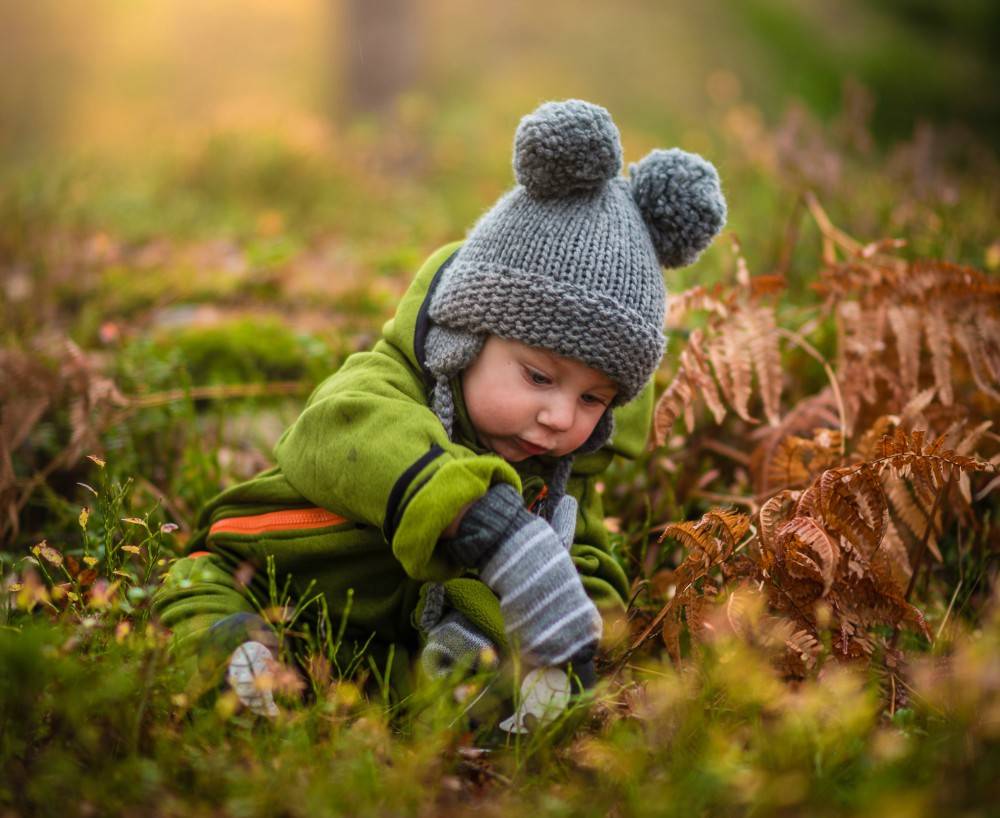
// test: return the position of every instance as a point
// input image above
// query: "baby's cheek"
(588, 428)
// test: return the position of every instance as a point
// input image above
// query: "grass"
(187, 277)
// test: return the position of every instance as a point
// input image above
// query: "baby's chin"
(507, 448)
(509, 451)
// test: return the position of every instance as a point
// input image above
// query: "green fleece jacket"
(368, 447)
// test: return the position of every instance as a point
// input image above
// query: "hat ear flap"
(680, 198)
(603, 432)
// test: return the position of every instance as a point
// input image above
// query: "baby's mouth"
(530, 448)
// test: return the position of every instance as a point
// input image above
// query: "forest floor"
(828, 643)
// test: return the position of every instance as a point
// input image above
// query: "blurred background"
(238, 191)
(315, 107)
(110, 75)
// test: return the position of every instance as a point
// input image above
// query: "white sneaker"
(251, 669)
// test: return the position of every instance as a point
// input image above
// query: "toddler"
(437, 494)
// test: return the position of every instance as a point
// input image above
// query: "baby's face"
(525, 401)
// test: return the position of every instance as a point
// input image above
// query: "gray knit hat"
(569, 259)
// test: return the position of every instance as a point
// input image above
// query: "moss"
(246, 349)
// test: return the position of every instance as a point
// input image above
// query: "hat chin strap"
(603, 432)
(564, 467)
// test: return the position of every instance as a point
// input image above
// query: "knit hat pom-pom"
(567, 147)
(681, 201)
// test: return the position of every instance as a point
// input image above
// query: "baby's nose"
(557, 414)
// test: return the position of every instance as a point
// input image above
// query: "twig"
(790, 238)
(726, 451)
(176, 506)
(831, 233)
(489, 772)
(931, 516)
(216, 392)
(715, 497)
(947, 613)
(922, 549)
(808, 348)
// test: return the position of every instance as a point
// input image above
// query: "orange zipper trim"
(539, 497)
(292, 519)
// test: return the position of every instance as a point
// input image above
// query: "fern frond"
(967, 445)
(727, 525)
(797, 460)
(816, 412)
(788, 467)
(731, 358)
(698, 538)
(897, 557)
(932, 280)
(870, 500)
(771, 516)
(804, 645)
(698, 367)
(970, 339)
(904, 321)
(989, 330)
(675, 400)
(869, 445)
(840, 511)
(939, 343)
(760, 330)
(807, 545)
(911, 512)
(691, 379)
(913, 411)
(694, 299)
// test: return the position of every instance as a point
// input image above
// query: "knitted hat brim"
(555, 315)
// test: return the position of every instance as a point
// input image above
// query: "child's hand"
(564, 520)
(452, 642)
(546, 612)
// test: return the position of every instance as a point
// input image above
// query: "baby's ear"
(681, 201)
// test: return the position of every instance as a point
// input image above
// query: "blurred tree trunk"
(38, 65)
(380, 44)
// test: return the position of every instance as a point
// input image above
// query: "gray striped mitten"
(546, 612)
(563, 520)
(455, 642)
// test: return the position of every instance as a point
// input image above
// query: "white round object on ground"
(545, 693)
(249, 663)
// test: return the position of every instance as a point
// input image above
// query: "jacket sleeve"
(603, 576)
(368, 447)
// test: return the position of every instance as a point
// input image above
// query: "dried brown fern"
(739, 341)
(828, 557)
(855, 484)
(31, 384)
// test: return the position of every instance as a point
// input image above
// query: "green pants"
(209, 614)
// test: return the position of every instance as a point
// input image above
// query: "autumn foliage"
(851, 489)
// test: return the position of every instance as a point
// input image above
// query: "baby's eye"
(593, 400)
(537, 377)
